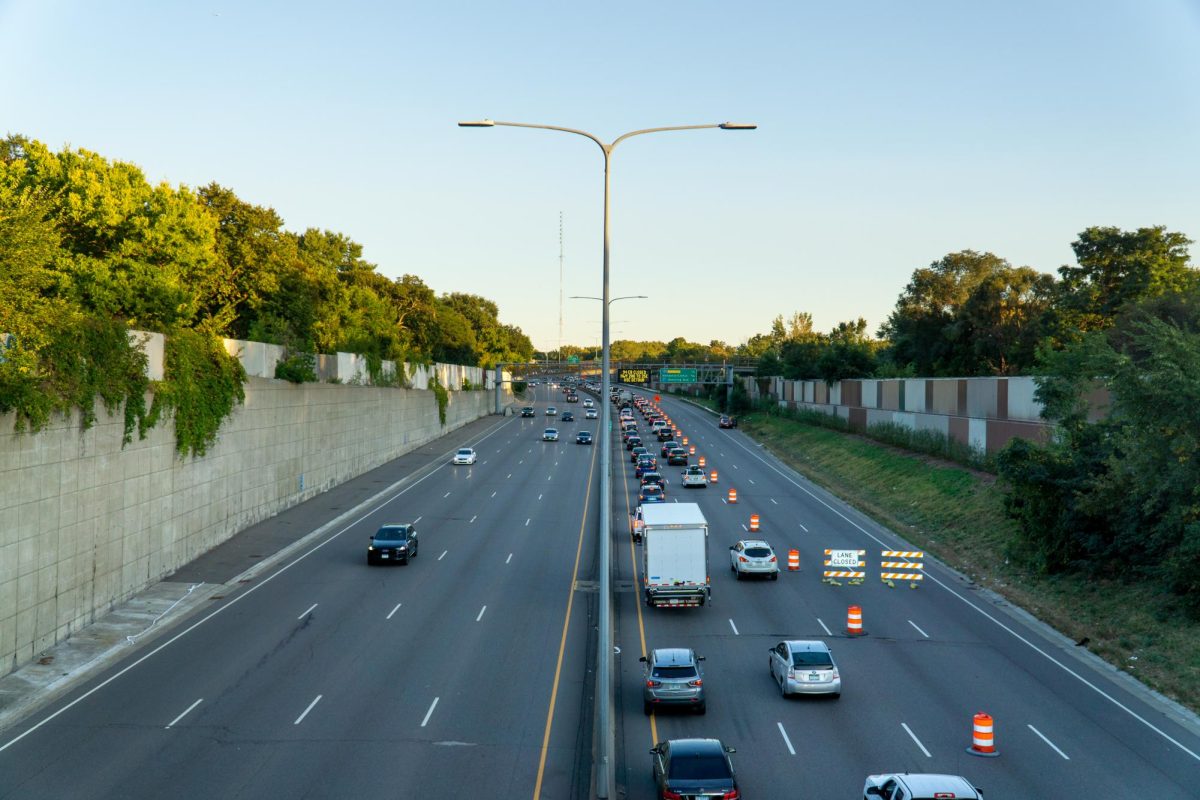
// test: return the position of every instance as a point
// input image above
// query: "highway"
(931, 659)
(326, 678)
(468, 672)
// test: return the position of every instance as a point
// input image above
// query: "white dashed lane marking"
(473, 519)
(1027, 725)
(429, 713)
(824, 627)
(304, 713)
(915, 739)
(735, 630)
(309, 611)
(188, 710)
(481, 613)
(923, 633)
(393, 611)
(443, 555)
(510, 555)
(786, 740)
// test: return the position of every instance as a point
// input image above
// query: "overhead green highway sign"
(684, 375)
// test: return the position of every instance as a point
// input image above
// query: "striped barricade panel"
(849, 564)
(905, 570)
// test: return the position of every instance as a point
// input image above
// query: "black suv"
(693, 767)
(392, 543)
(677, 457)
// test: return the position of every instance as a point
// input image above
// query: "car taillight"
(743, 559)
(732, 794)
(652, 684)
(669, 795)
(697, 682)
(773, 559)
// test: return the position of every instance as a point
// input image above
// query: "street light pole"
(604, 768)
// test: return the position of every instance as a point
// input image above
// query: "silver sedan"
(805, 667)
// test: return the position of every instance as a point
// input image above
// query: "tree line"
(89, 249)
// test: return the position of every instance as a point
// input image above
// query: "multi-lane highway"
(326, 678)
(468, 672)
(931, 659)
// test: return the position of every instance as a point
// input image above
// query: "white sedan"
(465, 455)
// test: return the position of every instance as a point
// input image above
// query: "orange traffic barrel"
(754, 523)
(854, 625)
(702, 461)
(685, 440)
(983, 742)
(733, 495)
(692, 450)
(712, 476)
(793, 560)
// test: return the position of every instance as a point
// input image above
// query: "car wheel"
(775, 576)
(370, 561)
(702, 708)
(647, 709)
(836, 695)
(783, 692)
(404, 562)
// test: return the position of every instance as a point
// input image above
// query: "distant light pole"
(604, 751)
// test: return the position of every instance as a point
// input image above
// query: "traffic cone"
(754, 523)
(854, 624)
(793, 560)
(983, 742)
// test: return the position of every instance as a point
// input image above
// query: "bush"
(443, 398)
(297, 368)
(202, 385)
(519, 387)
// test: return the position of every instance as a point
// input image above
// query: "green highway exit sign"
(572, 359)
(677, 376)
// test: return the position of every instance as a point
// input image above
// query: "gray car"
(673, 678)
(805, 667)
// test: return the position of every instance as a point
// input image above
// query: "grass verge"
(957, 515)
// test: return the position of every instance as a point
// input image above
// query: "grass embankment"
(958, 516)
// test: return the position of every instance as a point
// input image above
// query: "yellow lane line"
(562, 644)
(637, 603)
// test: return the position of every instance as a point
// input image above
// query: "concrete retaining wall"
(85, 524)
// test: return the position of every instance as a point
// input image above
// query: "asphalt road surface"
(931, 659)
(463, 674)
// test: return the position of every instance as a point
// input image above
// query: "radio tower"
(560, 286)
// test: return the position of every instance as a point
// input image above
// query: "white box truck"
(675, 555)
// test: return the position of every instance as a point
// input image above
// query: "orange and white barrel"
(712, 476)
(733, 495)
(983, 741)
(793, 560)
(854, 621)
(754, 523)
(702, 461)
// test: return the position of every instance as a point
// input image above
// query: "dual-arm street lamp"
(605, 730)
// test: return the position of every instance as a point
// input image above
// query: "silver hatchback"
(805, 667)
(672, 678)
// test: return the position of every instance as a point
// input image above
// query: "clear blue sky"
(891, 134)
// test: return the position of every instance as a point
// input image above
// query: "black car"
(583, 437)
(678, 457)
(668, 446)
(632, 442)
(527, 411)
(727, 422)
(693, 767)
(665, 434)
(567, 416)
(392, 543)
(655, 478)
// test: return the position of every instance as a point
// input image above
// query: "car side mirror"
(733, 547)
(653, 751)
(700, 658)
(642, 659)
(730, 750)
(872, 790)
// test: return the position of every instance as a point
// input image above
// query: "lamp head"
(737, 126)
(479, 123)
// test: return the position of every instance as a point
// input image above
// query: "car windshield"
(699, 768)
(678, 451)
(811, 659)
(758, 552)
(463, 453)
(650, 490)
(391, 534)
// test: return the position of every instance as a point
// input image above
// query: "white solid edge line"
(1047, 741)
(393, 611)
(735, 630)
(786, 740)
(304, 714)
(915, 739)
(443, 555)
(201, 700)
(481, 613)
(1002, 626)
(429, 713)
(306, 613)
(228, 605)
(825, 627)
(923, 633)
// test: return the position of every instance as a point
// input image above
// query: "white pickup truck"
(904, 785)
(675, 555)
